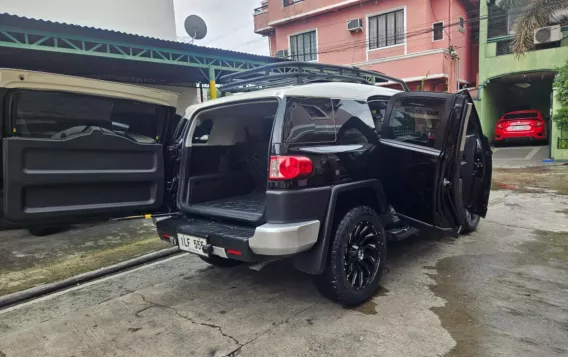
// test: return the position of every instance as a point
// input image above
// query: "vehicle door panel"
(410, 156)
(92, 174)
(430, 176)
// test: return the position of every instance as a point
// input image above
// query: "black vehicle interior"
(74, 156)
(228, 162)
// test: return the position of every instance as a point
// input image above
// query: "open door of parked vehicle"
(101, 158)
(435, 160)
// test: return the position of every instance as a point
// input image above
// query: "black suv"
(315, 163)
(310, 162)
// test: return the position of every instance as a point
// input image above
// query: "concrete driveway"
(500, 291)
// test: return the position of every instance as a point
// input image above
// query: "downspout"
(458, 58)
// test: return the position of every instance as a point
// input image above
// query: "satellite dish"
(195, 27)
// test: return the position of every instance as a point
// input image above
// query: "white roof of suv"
(336, 90)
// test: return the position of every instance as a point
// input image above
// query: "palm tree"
(533, 15)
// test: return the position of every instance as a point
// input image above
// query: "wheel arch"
(342, 198)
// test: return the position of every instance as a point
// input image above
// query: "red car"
(520, 125)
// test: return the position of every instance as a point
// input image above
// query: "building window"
(462, 24)
(386, 29)
(437, 31)
(290, 2)
(503, 48)
(303, 47)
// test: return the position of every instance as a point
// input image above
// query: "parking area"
(499, 291)
(520, 155)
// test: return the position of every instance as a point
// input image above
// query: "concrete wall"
(154, 18)
(412, 60)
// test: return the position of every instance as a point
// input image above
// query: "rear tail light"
(289, 167)
(538, 123)
(500, 126)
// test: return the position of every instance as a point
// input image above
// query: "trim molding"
(317, 11)
(395, 58)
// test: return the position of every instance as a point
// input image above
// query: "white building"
(154, 18)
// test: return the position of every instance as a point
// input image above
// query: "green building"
(508, 83)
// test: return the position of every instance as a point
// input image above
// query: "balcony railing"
(290, 2)
(260, 10)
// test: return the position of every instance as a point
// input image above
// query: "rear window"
(324, 120)
(53, 115)
(529, 115)
(309, 120)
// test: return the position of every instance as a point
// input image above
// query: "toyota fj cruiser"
(318, 164)
(311, 162)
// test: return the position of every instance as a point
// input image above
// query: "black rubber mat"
(248, 208)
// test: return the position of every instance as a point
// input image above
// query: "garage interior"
(520, 91)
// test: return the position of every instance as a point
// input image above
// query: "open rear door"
(99, 165)
(435, 161)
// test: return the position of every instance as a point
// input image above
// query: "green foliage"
(561, 85)
(560, 117)
(423, 83)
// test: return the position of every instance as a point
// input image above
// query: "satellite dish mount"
(195, 27)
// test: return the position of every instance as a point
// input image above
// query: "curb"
(41, 290)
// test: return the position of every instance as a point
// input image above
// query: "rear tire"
(356, 259)
(220, 262)
(472, 220)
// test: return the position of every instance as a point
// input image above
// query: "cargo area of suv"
(227, 166)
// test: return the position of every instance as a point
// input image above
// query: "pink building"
(408, 39)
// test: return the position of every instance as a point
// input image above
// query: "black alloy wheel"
(362, 255)
(357, 255)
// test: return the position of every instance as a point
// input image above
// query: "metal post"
(201, 91)
(212, 84)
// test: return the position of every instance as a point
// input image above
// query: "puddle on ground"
(369, 307)
(504, 303)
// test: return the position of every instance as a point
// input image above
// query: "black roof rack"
(294, 73)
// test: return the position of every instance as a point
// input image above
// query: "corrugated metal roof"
(11, 20)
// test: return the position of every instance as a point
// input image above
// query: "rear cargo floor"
(249, 207)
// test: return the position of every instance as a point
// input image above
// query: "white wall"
(187, 95)
(154, 18)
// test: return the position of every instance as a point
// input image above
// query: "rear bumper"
(537, 134)
(247, 244)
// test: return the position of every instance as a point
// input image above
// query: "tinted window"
(521, 115)
(353, 122)
(415, 120)
(202, 131)
(53, 115)
(308, 120)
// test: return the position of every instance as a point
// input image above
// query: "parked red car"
(520, 125)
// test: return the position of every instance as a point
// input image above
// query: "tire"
(220, 262)
(44, 231)
(472, 220)
(348, 283)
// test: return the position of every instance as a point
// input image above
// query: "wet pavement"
(501, 291)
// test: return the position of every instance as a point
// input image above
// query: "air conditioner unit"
(282, 54)
(355, 25)
(547, 34)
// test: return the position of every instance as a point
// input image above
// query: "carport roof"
(34, 44)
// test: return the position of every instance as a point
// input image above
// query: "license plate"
(519, 127)
(191, 244)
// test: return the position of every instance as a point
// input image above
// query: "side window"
(308, 120)
(56, 116)
(415, 120)
(202, 131)
(378, 108)
(353, 122)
